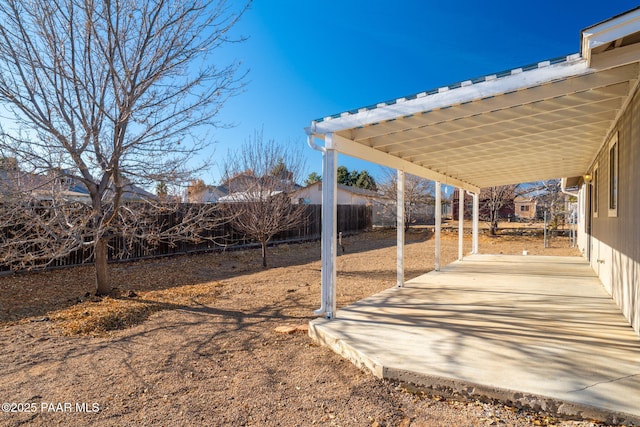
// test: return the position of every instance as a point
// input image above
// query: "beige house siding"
(615, 240)
(525, 208)
(312, 195)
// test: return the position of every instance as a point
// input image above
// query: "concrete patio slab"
(534, 331)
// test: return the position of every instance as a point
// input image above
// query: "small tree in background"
(366, 181)
(355, 178)
(493, 200)
(312, 178)
(162, 191)
(417, 194)
(260, 207)
(343, 176)
(550, 198)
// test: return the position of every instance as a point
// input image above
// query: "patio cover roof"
(533, 123)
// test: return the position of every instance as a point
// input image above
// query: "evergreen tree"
(355, 178)
(343, 175)
(312, 178)
(366, 181)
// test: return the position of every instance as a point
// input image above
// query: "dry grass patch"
(98, 316)
(291, 284)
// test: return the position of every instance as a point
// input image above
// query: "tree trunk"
(103, 285)
(494, 227)
(407, 219)
(264, 254)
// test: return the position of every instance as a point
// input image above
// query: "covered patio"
(543, 121)
(537, 331)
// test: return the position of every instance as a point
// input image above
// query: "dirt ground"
(191, 340)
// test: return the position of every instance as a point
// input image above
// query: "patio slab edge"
(339, 346)
(466, 390)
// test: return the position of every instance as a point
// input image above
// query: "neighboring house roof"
(359, 191)
(542, 121)
(131, 192)
(248, 196)
(521, 199)
(67, 186)
(354, 190)
(243, 182)
(210, 194)
(238, 183)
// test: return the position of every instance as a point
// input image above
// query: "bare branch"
(418, 199)
(493, 200)
(259, 178)
(112, 94)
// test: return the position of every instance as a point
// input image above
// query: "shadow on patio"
(535, 331)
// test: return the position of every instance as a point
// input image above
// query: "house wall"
(525, 208)
(615, 240)
(206, 196)
(313, 195)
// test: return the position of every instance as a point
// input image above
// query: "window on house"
(613, 176)
(524, 208)
(595, 191)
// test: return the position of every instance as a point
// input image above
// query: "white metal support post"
(329, 231)
(476, 218)
(438, 224)
(400, 230)
(461, 195)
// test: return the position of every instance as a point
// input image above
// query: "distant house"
(239, 183)
(346, 195)
(382, 211)
(209, 194)
(61, 183)
(525, 207)
(130, 192)
(507, 210)
(246, 187)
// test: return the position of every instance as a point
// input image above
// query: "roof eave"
(609, 31)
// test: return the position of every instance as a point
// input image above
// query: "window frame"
(596, 190)
(614, 176)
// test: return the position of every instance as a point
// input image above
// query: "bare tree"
(39, 219)
(112, 93)
(417, 195)
(550, 198)
(260, 177)
(43, 219)
(493, 200)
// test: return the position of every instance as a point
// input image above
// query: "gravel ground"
(217, 359)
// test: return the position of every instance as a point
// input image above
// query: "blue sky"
(310, 59)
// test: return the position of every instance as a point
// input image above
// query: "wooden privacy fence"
(351, 219)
